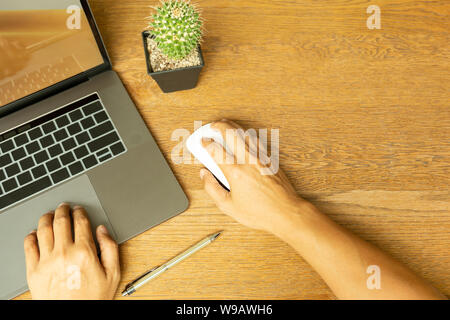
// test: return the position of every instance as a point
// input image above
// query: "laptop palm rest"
(17, 222)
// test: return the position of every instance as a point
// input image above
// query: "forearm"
(342, 258)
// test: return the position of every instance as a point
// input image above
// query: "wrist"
(293, 219)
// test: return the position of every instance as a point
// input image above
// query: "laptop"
(69, 132)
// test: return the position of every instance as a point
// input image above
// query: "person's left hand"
(60, 266)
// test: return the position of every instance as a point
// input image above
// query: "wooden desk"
(364, 120)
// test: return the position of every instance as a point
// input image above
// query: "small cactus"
(177, 28)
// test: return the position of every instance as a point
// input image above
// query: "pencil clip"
(140, 277)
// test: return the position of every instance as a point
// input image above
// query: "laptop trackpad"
(17, 222)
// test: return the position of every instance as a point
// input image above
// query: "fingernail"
(32, 231)
(77, 207)
(102, 229)
(63, 204)
(202, 173)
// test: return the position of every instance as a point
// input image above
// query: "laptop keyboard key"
(76, 168)
(117, 148)
(105, 157)
(49, 127)
(24, 192)
(82, 138)
(9, 185)
(24, 178)
(81, 152)
(62, 121)
(90, 161)
(55, 150)
(32, 147)
(102, 152)
(7, 146)
(41, 156)
(74, 129)
(47, 141)
(12, 170)
(38, 171)
(103, 141)
(101, 129)
(76, 115)
(21, 140)
(27, 163)
(5, 160)
(100, 117)
(2, 175)
(60, 134)
(18, 154)
(91, 108)
(53, 165)
(35, 133)
(69, 144)
(87, 123)
(67, 158)
(60, 175)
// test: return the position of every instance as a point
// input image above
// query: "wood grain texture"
(364, 120)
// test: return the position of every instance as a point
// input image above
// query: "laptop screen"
(43, 42)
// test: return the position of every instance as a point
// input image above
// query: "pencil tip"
(215, 235)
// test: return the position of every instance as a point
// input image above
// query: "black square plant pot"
(173, 80)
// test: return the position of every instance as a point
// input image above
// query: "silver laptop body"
(78, 140)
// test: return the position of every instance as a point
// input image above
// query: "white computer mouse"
(194, 145)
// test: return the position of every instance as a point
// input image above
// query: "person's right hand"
(255, 200)
(269, 202)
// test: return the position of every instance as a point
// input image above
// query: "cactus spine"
(177, 28)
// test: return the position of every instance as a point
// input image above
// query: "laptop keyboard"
(55, 148)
